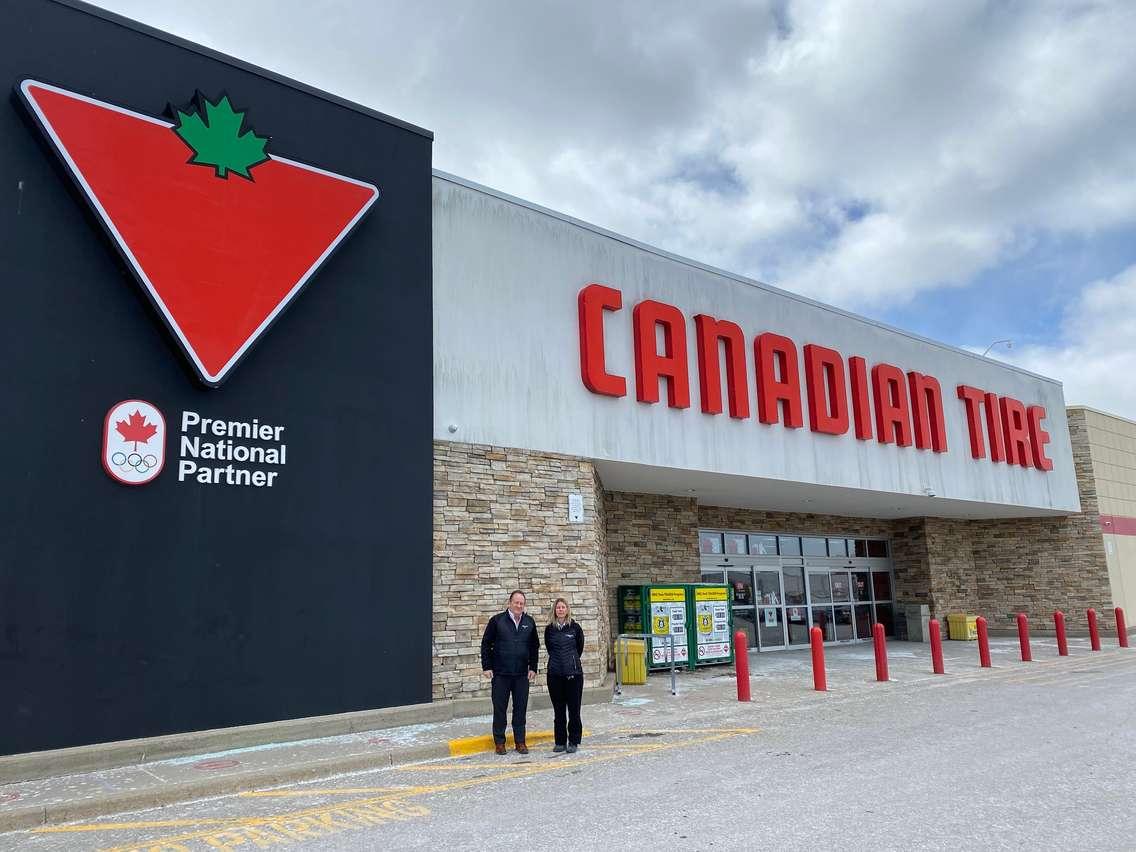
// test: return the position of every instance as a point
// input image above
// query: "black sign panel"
(215, 439)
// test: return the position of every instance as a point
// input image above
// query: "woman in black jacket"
(564, 641)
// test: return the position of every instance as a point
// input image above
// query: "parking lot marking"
(321, 821)
(1101, 665)
(334, 791)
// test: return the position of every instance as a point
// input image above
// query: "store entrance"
(785, 585)
(770, 610)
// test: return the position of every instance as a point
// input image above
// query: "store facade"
(210, 490)
(606, 413)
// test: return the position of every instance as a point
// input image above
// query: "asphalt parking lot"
(1021, 755)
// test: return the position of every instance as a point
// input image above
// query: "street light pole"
(1009, 345)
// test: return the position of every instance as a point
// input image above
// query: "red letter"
(1038, 437)
(973, 399)
(824, 383)
(927, 412)
(861, 409)
(593, 301)
(775, 353)
(649, 364)
(709, 331)
(994, 429)
(892, 418)
(1015, 431)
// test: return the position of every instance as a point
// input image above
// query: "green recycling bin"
(712, 618)
(698, 615)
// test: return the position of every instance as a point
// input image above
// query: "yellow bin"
(962, 626)
(632, 661)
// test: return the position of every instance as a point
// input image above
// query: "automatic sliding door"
(862, 600)
(796, 604)
(842, 611)
(745, 619)
(820, 597)
(770, 612)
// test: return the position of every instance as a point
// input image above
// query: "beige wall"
(501, 523)
(1112, 444)
(650, 539)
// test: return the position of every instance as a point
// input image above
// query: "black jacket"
(565, 645)
(508, 649)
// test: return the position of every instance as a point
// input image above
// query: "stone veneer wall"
(990, 568)
(1037, 565)
(501, 523)
(650, 539)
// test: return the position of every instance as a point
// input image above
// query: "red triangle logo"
(220, 258)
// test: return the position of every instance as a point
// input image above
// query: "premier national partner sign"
(207, 310)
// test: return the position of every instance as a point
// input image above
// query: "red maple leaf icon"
(135, 429)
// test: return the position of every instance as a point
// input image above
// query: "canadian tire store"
(831, 469)
(289, 414)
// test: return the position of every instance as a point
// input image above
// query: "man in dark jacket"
(509, 653)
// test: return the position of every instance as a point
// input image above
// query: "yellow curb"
(476, 745)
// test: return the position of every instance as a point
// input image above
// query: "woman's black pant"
(566, 693)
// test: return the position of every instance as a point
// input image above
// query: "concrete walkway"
(779, 681)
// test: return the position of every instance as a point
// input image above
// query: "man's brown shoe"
(500, 748)
(522, 748)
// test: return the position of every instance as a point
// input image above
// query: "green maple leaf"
(217, 140)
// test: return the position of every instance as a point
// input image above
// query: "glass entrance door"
(820, 600)
(770, 610)
(741, 580)
(862, 603)
(842, 609)
(797, 620)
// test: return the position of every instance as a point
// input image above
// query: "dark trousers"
(566, 693)
(503, 687)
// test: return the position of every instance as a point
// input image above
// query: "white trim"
(213, 379)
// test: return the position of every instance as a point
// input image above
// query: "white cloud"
(1094, 357)
(860, 153)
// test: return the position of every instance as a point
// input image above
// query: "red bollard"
(936, 647)
(879, 644)
(1094, 630)
(1059, 626)
(741, 664)
(1023, 637)
(1121, 629)
(983, 643)
(816, 639)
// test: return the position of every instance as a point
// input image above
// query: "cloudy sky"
(963, 170)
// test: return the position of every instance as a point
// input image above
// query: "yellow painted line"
(335, 791)
(442, 767)
(514, 771)
(477, 745)
(1073, 677)
(613, 746)
(1080, 666)
(126, 826)
(648, 731)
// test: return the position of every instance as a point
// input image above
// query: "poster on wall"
(668, 615)
(712, 618)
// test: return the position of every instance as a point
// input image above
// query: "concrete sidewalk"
(780, 682)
